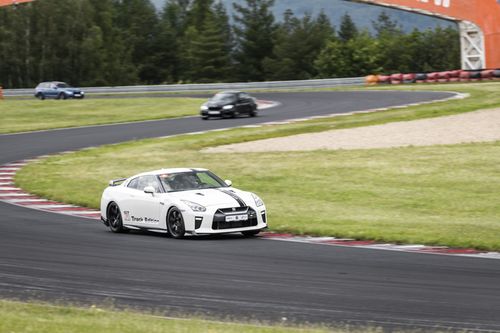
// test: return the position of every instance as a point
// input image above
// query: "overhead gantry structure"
(478, 21)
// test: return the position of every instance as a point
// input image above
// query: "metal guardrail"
(319, 83)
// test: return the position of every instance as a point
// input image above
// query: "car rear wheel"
(175, 223)
(250, 233)
(115, 218)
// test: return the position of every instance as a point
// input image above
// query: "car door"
(245, 103)
(52, 90)
(145, 207)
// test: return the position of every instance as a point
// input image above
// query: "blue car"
(57, 90)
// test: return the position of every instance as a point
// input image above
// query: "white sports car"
(181, 201)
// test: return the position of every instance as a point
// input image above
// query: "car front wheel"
(40, 96)
(115, 218)
(175, 223)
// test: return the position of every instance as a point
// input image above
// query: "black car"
(229, 104)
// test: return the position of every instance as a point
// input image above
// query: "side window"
(133, 183)
(149, 181)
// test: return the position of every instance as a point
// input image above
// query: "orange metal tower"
(479, 22)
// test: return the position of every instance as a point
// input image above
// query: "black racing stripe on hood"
(234, 196)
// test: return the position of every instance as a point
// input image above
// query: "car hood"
(215, 197)
(211, 104)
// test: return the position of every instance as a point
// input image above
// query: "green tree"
(254, 29)
(385, 25)
(298, 43)
(356, 57)
(209, 57)
(138, 23)
(348, 29)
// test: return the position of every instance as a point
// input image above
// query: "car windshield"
(224, 97)
(193, 180)
(63, 85)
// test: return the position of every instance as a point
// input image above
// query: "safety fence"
(295, 84)
(435, 77)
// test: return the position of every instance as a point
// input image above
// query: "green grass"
(446, 195)
(32, 115)
(18, 317)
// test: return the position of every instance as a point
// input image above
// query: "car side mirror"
(149, 189)
(228, 182)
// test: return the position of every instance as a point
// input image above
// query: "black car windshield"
(193, 180)
(63, 85)
(224, 98)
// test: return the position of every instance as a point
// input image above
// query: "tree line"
(126, 42)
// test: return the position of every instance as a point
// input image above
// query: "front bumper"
(219, 221)
(216, 113)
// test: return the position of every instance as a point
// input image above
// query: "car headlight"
(194, 206)
(228, 107)
(258, 201)
(204, 107)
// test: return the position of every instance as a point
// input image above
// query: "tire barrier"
(487, 74)
(408, 78)
(432, 77)
(396, 78)
(372, 79)
(384, 79)
(420, 77)
(435, 77)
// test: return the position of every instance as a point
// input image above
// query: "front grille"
(235, 210)
(215, 108)
(219, 221)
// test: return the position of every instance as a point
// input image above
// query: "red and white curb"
(367, 244)
(11, 194)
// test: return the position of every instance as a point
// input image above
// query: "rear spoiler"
(115, 182)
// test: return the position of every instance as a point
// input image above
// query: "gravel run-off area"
(478, 126)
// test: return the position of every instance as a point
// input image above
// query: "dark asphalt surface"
(61, 258)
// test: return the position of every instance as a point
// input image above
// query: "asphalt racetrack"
(67, 259)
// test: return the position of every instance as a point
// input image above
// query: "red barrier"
(384, 79)
(443, 77)
(464, 76)
(1, 92)
(440, 77)
(487, 74)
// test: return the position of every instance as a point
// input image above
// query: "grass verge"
(445, 195)
(32, 115)
(43, 318)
